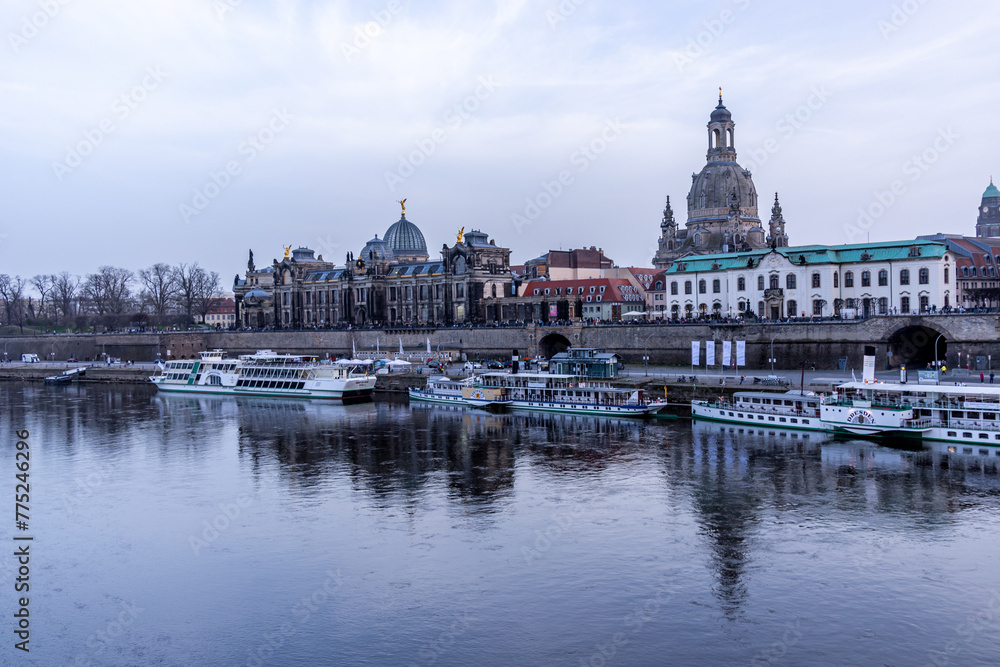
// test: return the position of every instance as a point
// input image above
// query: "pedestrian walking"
(991, 377)
(982, 377)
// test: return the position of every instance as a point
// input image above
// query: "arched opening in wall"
(915, 347)
(552, 345)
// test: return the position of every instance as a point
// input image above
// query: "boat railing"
(923, 422)
(783, 411)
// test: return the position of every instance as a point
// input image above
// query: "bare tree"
(192, 281)
(209, 293)
(43, 284)
(64, 293)
(12, 294)
(159, 288)
(109, 290)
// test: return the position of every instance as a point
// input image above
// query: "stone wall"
(820, 343)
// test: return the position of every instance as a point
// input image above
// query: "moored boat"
(441, 389)
(265, 373)
(791, 409)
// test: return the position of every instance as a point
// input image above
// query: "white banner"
(741, 353)
(695, 352)
(869, 370)
(709, 352)
(727, 352)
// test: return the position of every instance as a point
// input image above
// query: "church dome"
(405, 238)
(721, 113)
(376, 249)
(991, 191)
(717, 187)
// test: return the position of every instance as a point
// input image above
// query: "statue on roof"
(402, 202)
(250, 266)
(288, 249)
(461, 233)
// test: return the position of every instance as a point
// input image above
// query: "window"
(598, 297)
(793, 309)
(546, 291)
(904, 304)
(423, 292)
(716, 286)
(818, 308)
(924, 276)
(883, 278)
(741, 284)
(925, 304)
(816, 281)
(848, 279)
(883, 306)
(904, 278)
(460, 291)
(701, 287)
(774, 282)
(687, 286)
(673, 287)
(866, 278)
(536, 291)
(790, 281)
(602, 289)
(760, 283)
(409, 293)
(760, 308)
(836, 280)
(592, 288)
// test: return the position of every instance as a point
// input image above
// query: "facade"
(721, 205)
(862, 280)
(568, 264)
(604, 299)
(977, 269)
(390, 283)
(222, 314)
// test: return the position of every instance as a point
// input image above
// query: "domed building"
(406, 241)
(722, 204)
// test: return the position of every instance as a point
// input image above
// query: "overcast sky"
(120, 120)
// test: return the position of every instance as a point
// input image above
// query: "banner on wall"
(553, 311)
(709, 352)
(727, 352)
(741, 353)
(695, 352)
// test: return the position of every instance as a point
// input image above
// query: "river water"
(171, 530)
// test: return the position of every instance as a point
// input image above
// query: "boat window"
(973, 415)
(805, 421)
(782, 419)
(755, 400)
(966, 435)
(794, 420)
(984, 436)
(788, 403)
(990, 416)
(740, 415)
(952, 434)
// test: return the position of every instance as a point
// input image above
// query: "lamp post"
(645, 354)
(936, 362)
(772, 352)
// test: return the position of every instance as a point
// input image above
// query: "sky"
(195, 130)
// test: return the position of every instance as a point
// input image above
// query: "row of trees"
(112, 296)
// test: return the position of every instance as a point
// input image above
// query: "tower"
(777, 238)
(988, 223)
(668, 236)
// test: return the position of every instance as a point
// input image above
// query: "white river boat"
(265, 373)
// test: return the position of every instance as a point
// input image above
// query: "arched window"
(687, 286)
(774, 282)
(924, 276)
(946, 275)
(673, 287)
(717, 137)
(818, 308)
(904, 279)
(836, 280)
(741, 284)
(883, 306)
(816, 281)
(790, 281)
(883, 278)
(760, 283)
(702, 288)
(716, 286)
(659, 285)
(866, 278)
(730, 137)
(793, 309)
(848, 279)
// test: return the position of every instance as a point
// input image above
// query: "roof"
(404, 237)
(259, 293)
(991, 191)
(815, 254)
(413, 270)
(615, 289)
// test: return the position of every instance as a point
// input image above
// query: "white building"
(822, 281)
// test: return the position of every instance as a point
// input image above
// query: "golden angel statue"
(288, 249)
(461, 233)
(402, 202)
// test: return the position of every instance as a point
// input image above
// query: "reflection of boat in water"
(265, 374)
(788, 410)
(706, 427)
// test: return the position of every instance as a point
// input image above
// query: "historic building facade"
(721, 205)
(988, 222)
(391, 282)
(896, 277)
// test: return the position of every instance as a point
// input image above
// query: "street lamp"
(645, 354)
(936, 357)
(772, 352)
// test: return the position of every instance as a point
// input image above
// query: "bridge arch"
(917, 345)
(552, 344)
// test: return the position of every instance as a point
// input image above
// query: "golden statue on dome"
(288, 249)
(402, 202)
(461, 234)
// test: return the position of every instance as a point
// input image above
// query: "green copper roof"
(991, 191)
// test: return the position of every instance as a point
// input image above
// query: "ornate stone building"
(722, 205)
(391, 281)
(988, 223)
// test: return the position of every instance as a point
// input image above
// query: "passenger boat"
(441, 390)
(551, 392)
(957, 414)
(265, 373)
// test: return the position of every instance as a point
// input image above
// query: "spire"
(777, 238)
(668, 215)
(720, 96)
(776, 209)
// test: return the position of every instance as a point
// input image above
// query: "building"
(721, 205)
(222, 314)
(603, 299)
(568, 264)
(810, 281)
(585, 362)
(988, 222)
(391, 282)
